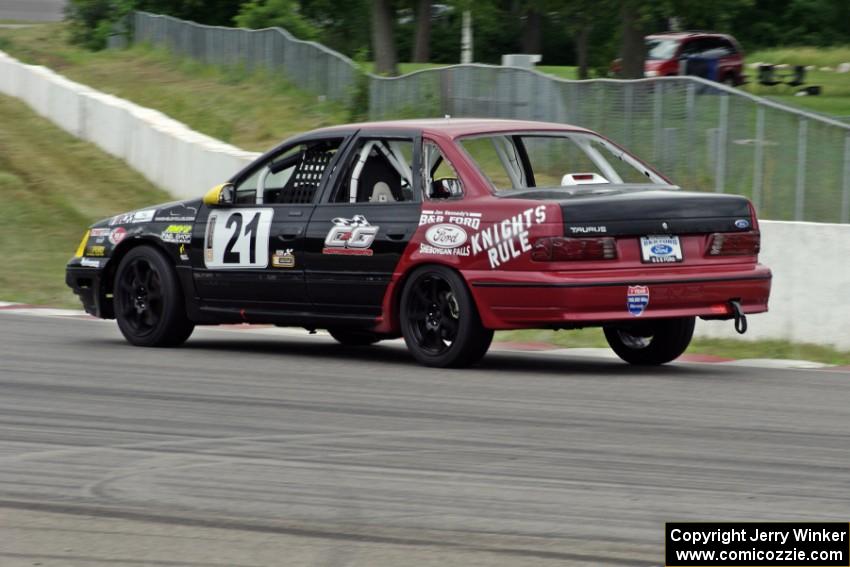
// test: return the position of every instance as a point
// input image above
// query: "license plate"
(660, 249)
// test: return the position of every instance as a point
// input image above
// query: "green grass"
(252, 110)
(403, 68)
(729, 348)
(834, 98)
(52, 186)
(562, 72)
(818, 56)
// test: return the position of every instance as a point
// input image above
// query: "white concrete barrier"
(167, 152)
(809, 294)
(810, 261)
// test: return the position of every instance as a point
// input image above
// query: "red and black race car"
(440, 231)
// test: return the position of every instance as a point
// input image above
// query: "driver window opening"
(291, 177)
(380, 171)
(441, 179)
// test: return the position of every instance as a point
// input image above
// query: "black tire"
(651, 343)
(148, 300)
(354, 337)
(439, 320)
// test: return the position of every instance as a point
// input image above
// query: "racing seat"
(381, 193)
(378, 171)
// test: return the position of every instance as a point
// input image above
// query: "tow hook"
(738, 314)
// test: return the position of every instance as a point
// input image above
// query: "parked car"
(440, 231)
(665, 52)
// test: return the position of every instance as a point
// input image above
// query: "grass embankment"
(52, 186)
(254, 111)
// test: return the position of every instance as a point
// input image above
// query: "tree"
(422, 43)
(258, 14)
(632, 46)
(531, 41)
(383, 38)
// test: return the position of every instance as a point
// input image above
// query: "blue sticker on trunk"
(637, 299)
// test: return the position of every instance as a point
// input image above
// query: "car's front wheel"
(148, 300)
(650, 343)
(439, 320)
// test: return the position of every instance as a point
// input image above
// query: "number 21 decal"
(238, 238)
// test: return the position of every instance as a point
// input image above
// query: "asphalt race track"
(245, 449)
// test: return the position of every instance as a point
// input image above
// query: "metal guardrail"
(793, 164)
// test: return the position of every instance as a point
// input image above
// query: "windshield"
(661, 48)
(516, 161)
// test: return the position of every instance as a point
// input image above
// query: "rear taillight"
(734, 244)
(560, 249)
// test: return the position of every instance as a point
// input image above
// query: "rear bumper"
(85, 283)
(553, 299)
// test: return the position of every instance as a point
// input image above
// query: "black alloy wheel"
(440, 322)
(149, 305)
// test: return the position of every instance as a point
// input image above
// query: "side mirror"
(220, 196)
(445, 188)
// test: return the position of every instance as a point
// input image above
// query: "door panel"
(251, 257)
(352, 251)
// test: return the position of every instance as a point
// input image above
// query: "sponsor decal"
(134, 217)
(637, 299)
(143, 216)
(96, 251)
(121, 219)
(283, 259)
(589, 229)
(742, 224)
(90, 263)
(99, 232)
(117, 235)
(445, 240)
(183, 255)
(177, 234)
(177, 213)
(350, 237)
(507, 239)
(461, 218)
(446, 236)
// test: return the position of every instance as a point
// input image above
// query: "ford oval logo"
(445, 236)
(742, 224)
(662, 249)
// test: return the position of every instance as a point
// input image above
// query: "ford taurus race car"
(440, 231)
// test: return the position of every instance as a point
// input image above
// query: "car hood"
(174, 211)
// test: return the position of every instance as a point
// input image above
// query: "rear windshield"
(522, 160)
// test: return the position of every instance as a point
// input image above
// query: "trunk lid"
(640, 210)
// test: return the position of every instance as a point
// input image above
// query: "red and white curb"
(507, 346)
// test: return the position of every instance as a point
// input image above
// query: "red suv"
(665, 50)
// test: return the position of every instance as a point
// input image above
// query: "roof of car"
(684, 34)
(457, 127)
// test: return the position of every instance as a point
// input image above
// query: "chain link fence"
(309, 65)
(794, 165)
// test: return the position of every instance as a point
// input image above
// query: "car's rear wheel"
(650, 343)
(148, 300)
(354, 337)
(439, 320)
